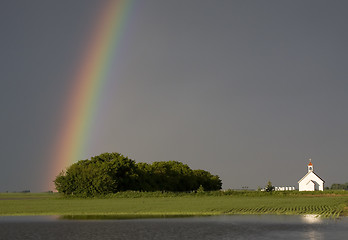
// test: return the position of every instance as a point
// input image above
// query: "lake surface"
(216, 227)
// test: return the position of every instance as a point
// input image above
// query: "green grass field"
(171, 204)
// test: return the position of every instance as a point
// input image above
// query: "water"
(217, 227)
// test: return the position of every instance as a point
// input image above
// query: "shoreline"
(134, 216)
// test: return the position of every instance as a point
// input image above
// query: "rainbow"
(87, 85)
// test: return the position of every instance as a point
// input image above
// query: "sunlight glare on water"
(312, 218)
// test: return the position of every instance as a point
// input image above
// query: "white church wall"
(306, 186)
(311, 183)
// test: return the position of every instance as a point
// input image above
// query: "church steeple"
(310, 166)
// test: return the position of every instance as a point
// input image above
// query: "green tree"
(172, 176)
(103, 174)
(269, 187)
(145, 181)
(335, 186)
(112, 172)
(208, 181)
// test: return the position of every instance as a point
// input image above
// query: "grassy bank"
(327, 204)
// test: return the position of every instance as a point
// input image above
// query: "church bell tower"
(310, 166)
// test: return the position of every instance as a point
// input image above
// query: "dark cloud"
(245, 89)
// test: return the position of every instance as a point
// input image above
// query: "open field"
(171, 204)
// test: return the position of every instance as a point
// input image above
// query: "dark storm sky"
(248, 90)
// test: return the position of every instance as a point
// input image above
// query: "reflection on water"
(313, 235)
(215, 227)
(120, 216)
(21, 219)
(312, 218)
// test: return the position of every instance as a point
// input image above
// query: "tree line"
(341, 186)
(112, 172)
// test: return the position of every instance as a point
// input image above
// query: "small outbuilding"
(311, 181)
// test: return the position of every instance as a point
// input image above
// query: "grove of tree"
(336, 186)
(112, 172)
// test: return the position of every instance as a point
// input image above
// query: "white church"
(311, 181)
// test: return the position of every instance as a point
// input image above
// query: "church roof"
(308, 174)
